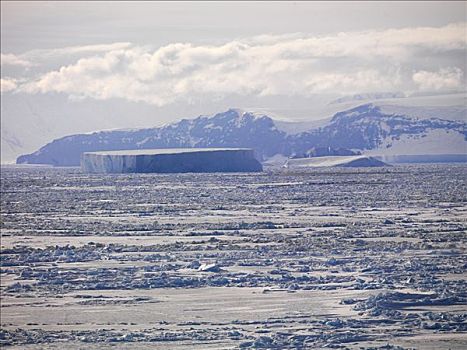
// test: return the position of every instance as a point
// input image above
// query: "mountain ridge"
(363, 128)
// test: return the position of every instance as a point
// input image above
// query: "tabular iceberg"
(334, 161)
(181, 160)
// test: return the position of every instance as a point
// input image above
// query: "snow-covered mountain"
(369, 129)
(366, 128)
(29, 121)
(229, 129)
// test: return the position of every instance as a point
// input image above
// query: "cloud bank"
(446, 78)
(13, 60)
(7, 85)
(295, 64)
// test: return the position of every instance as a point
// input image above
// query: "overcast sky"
(49, 25)
(166, 60)
(161, 53)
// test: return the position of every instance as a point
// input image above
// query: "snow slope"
(450, 107)
(436, 141)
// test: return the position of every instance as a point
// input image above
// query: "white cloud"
(7, 84)
(42, 55)
(444, 79)
(13, 60)
(35, 57)
(92, 48)
(294, 64)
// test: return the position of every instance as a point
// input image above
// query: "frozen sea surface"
(322, 258)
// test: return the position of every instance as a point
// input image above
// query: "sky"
(70, 67)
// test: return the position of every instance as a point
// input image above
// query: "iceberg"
(334, 161)
(181, 160)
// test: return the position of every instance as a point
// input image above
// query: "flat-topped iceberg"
(334, 161)
(177, 160)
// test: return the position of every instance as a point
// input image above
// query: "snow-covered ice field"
(300, 258)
